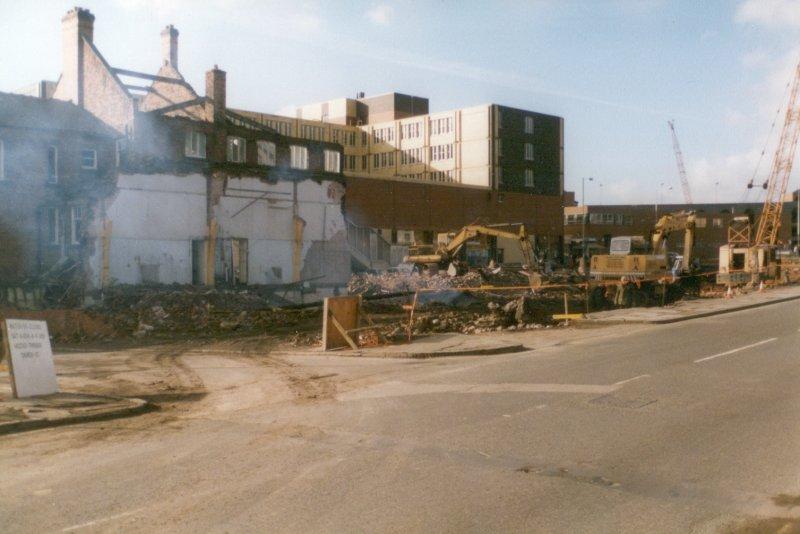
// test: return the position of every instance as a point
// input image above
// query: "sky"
(615, 70)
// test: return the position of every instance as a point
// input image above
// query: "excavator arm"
(682, 220)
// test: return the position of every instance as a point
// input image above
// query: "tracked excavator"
(629, 259)
(445, 254)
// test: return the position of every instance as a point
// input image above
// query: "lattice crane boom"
(776, 185)
(687, 192)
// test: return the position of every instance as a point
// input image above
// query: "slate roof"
(20, 111)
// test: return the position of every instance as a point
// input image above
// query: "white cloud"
(380, 14)
(770, 13)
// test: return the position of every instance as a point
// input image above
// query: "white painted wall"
(267, 222)
(155, 218)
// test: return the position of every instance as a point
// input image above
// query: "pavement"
(693, 309)
(426, 346)
(33, 413)
(684, 427)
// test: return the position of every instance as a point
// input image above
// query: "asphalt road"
(685, 427)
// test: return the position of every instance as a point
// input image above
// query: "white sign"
(32, 369)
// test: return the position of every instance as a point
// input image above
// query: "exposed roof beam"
(154, 77)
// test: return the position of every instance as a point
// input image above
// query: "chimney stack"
(76, 25)
(169, 46)
(215, 90)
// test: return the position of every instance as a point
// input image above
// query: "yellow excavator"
(444, 254)
(627, 260)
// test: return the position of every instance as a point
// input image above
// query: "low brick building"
(712, 221)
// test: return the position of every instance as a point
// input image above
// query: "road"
(676, 428)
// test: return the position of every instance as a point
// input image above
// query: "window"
(332, 161)
(441, 126)
(52, 164)
(53, 231)
(410, 131)
(411, 156)
(529, 151)
(118, 148)
(89, 159)
(195, 144)
(350, 163)
(266, 153)
(716, 222)
(2, 161)
(299, 157)
(700, 222)
(311, 132)
(528, 125)
(237, 148)
(528, 177)
(364, 163)
(441, 152)
(364, 138)
(75, 224)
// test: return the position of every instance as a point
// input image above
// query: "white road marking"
(630, 380)
(733, 351)
(101, 520)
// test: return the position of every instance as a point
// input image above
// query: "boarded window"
(528, 125)
(53, 230)
(528, 177)
(266, 153)
(529, 151)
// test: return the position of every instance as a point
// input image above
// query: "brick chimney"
(215, 90)
(169, 46)
(76, 25)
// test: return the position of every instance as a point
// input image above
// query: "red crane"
(687, 192)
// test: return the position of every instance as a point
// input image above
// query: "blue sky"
(615, 70)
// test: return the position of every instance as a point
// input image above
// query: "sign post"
(27, 348)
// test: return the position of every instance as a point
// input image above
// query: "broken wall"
(265, 215)
(154, 220)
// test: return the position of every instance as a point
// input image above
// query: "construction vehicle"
(629, 258)
(748, 258)
(445, 254)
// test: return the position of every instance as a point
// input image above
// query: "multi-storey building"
(411, 174)
(490, 146)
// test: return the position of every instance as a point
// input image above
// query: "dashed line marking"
(734, 351)
(617, 384)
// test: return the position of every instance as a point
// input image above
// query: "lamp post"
(585, 216)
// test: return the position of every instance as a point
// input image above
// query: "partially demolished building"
(198, 194)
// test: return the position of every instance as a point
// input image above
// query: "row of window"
(88, 162)
(442, 176)
(527, 176)
(53, 216)
(266, 154)
(343, 137)
(442, 152)
(380, 135)
(620, 219)
(528, 123)
(380, 161)
(441, 126)
(411, 130)
(412, 155)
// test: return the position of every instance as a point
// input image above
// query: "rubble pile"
(369, 284)
(520, 313)
(184, 310)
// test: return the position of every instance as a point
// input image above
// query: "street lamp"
(585, 216)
